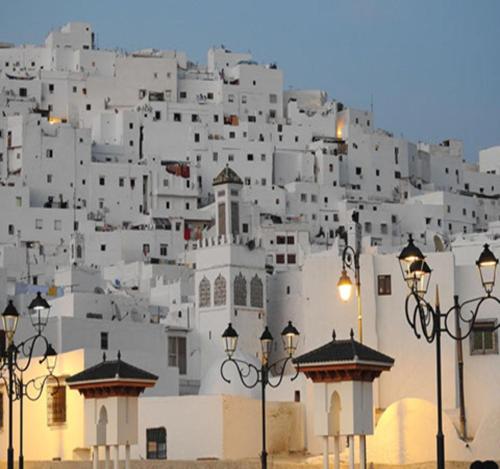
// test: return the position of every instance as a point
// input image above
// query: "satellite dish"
(438, 244)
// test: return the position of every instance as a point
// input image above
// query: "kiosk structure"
(111, 390)
(343, 372)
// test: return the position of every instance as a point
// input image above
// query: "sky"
(430, 68)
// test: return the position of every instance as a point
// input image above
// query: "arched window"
(78, 251)
(220, 291)
(256, 292)
(240, 290)
(204, 293)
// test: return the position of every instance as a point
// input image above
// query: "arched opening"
(102, 424)
(334, 414)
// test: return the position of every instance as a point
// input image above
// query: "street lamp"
(251, 375)
(39, 311)
(350, 260)
(429, 321)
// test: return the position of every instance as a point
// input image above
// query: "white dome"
(212, 382)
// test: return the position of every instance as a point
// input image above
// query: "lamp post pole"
(10, 393)
(428, 321)
(251, 375)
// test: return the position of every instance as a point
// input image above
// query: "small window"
(280, 258)
(57, 225)
(244, 227)
(102, 180)
(56, 404)
(196, 137)
(38, 224)
(163, 249)
(183, 95)
(273, 98)
(49, 178)
(215, 156)
(121, 182)
(177, 117)
(104, 340)
(358, 170)
(384, 284)
(23, 92)
(291, 259)
(216, 117)
(157, 115)
(280, 240)
(156, 443)
(103, 247)
(484, 338)
(250, 157)
(11, 229)
(88, 107)
(49, 153)
(51, 88)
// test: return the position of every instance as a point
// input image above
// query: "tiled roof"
(343, 351)
(112, 370)
(227, 176)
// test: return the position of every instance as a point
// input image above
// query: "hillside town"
(152, 201)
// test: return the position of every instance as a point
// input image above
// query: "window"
(102, 180)
(177, 117)
(49, 153)
(51, 88)
(263, 181)
(196, 137)
(204, 293)
(103, 247)
(303, 197)
(244, 227)
(11, 229)
(56, 404)
(49, 178)
(243, 99)
(291, 259)
(397, 174)
(157, 115)
(230, 157)
(396, 155)
(177, 353)
(230, 98)
(38, 224)
(280, 258)
(484, 338)
(263, 157)
(280, 240)
(19, 201)
(358, 171)
(273, 99)
(88, 107)
(156, 443)
(232, 134)
(384, 284)
(256, 292)
(163, 249)
(104, 341)
(215, 156)
(240, 290)
(220, 291)
(183, 95)
(216, 117)
(57, 225)
(250, 157)
(121, 182)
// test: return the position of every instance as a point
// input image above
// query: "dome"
(212, 382)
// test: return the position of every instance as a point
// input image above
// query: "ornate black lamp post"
(251, 375)
(350, 260)
(14, 353)
(428, 321)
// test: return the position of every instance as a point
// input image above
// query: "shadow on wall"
(405, 434)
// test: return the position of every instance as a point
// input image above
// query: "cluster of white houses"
(153, 200)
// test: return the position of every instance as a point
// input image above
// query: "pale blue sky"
(432, 66)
